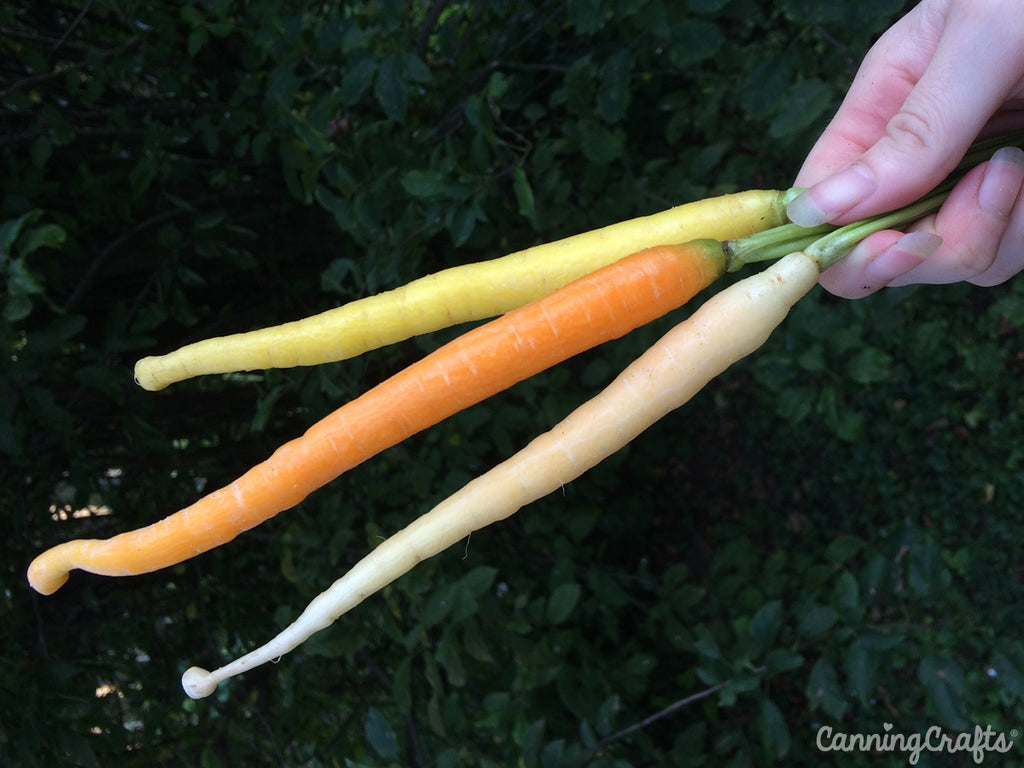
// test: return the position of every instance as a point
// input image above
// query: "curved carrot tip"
(43, 576)
(146, 377)
(198, 682)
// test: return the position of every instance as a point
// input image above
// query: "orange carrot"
(589, 311)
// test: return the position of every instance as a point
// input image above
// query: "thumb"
(963, 85)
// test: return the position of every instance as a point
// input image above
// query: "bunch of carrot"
(559, 299)
(557, 319)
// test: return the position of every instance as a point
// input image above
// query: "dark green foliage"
(826, 536)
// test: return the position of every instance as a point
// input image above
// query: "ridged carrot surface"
(596, 308)
(461, 294)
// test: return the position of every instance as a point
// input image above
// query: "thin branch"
(71, 28)
(258, 711)
(651, 719)
(92, 272)
(427, 27)
(61, 70)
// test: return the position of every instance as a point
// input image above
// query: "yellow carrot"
(730, 325)
(460, 294)
(589, 311)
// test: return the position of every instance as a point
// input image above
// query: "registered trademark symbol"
(1013, 734)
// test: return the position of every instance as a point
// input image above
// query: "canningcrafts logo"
(978, 742)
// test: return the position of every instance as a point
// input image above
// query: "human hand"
(945, 74)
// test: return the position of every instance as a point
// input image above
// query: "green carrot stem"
(832, 247)
(772, 244)
(828, 244)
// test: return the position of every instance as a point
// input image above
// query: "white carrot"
(732, 324)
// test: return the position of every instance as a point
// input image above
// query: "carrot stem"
(833, 246)
(772, 244)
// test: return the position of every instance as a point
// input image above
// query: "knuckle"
(973, 259)
(911, 130)
(1007, 264)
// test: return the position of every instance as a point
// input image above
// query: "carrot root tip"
(43, 580)
(198, 683)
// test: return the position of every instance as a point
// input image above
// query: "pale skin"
(946, 74)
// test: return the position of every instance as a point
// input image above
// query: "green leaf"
(944, 679)
(142, 175)
(463, 224)
(479, 580)
(765, 625)
(356, 80)
(381, 735)
(605, 721)
(640, 664)
(815, 620)
(708, 6)
(774, 731)
(812, 359)
(438, 606)
(401, 685)
(17, 308)
(40, 151)
(562, 602)
(614, 95)
(604, 587)
(196, 40)
(580, 86)
(794, 404)
(926, 571)
(783, 661)
(424, 184)
(803, 104)
(860, 665)
(846, 594)
(601, 145)
(876, 640)
(10, 230)
(48, 340)
(209, 759)
(588, 15)
(532, 742)
(694, 41)
(20, 279)
(449, 657)
(870, 366)
(1007, 672)
(415, 69)
(823, 689)
(282, 85)
(390, 88)
(474, 644)
(705, 644)
(843, 548)
(839, 414)
(524, 194)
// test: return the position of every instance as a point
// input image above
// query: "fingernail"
(902, 256)
(831, 198)
(1002, 182)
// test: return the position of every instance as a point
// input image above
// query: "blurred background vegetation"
(825, 536)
